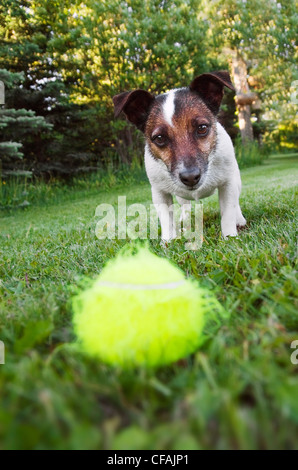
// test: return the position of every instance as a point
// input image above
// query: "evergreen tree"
(16, 126)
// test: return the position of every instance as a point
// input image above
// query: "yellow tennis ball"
(141, 311)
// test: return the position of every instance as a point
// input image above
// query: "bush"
(249, 154)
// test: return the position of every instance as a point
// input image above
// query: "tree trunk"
(244, 98)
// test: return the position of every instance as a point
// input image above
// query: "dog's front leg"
(229, 208)
(163, 203)
(185, 208)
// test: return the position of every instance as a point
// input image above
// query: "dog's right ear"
(135, 105)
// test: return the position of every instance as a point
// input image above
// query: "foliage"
(72, 57)
(249, 154)
(264, 34)
(17, 126)
(77, 56)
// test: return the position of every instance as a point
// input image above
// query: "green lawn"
(238, 391)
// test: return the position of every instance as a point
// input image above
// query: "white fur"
(222, 174)
(169, 107)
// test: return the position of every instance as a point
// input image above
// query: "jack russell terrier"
(187, 152)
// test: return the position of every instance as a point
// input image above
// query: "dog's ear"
(210, 87)
(135, 105)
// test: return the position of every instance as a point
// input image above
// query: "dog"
(188, 154)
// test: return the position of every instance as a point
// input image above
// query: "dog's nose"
(190, 177)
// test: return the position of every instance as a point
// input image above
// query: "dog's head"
(179, 126)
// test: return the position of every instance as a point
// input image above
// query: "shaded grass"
(238, 391)
(19, 192)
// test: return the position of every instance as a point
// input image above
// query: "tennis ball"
(141, 311)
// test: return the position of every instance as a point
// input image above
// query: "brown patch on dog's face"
(184, 140)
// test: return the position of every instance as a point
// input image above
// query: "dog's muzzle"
(190, 177)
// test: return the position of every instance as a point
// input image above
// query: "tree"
(244, 98)
(258, 35)
(153, 45)
(76, 55)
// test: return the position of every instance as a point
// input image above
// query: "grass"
(21, 191)
(239, 391)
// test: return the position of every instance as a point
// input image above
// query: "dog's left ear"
(135, 105)
(210, 87)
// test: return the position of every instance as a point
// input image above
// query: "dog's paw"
(241, 221)
(226, 236)
(228, 229)
(169, 235)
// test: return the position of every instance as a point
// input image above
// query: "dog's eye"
(160, 140)
(202, 129)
